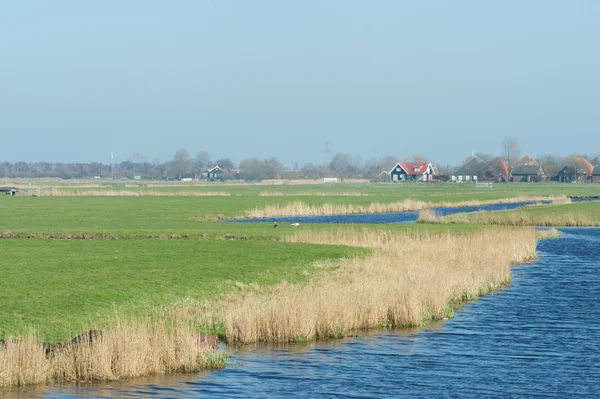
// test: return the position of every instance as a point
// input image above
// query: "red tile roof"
(527, 160)
(500, 166)
(415, 168)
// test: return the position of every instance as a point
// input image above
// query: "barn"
(475, 169)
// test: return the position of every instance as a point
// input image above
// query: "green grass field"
(61, 286)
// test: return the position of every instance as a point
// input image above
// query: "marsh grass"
(299, 208)
(129, 349)
(407, 281)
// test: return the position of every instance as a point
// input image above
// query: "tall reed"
(299, 208)
(129, 349)
(407, 281)
(567, 219)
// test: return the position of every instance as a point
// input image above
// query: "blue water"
(538, 338)
(384, 218)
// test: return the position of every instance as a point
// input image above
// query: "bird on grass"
(295, 224)
(275, 225)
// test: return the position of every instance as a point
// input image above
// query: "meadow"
(76, 262)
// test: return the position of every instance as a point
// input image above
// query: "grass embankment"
(584, 214)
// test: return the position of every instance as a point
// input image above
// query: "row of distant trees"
(183, 165)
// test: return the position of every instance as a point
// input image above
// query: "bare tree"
(182, 164)
(418, 158)
(510, 151)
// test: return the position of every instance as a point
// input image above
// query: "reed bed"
(407, 281)
(141, 193)
(552, 232)
(299, 208)
(129, 349)
(312, 194)
(567, 219)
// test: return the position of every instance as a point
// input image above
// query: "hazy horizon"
(266, 78)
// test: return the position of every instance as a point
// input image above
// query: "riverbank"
(408, 280)
(147, 258)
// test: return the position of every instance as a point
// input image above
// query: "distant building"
(576, 170)
(528, 173)
(412, 171)
(475, 169)
(214, 173)
(384, 177)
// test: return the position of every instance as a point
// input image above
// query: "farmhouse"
(475, 169)
(214, 174)
(412, 171)
(528, 173)
(577, 170)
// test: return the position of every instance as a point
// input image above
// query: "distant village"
(476, 169)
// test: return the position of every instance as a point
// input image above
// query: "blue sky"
(279, 78)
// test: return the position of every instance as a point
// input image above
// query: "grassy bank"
(63, 287)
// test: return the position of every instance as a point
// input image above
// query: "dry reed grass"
(299, 208)
(129, 349)
(552, 232)
(312, 194)
(407, 281)
(569, 219)
(141, 193)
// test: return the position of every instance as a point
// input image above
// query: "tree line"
(183, 165)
